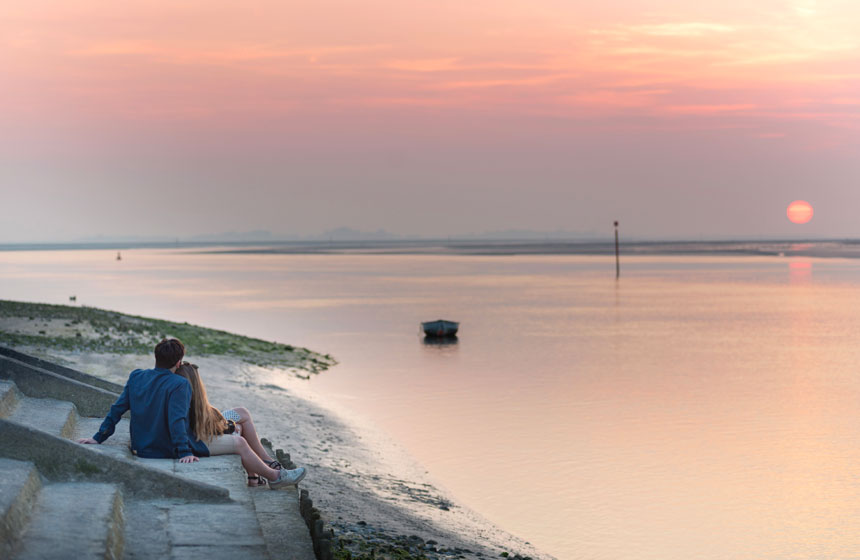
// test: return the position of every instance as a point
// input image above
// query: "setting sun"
(799, 212)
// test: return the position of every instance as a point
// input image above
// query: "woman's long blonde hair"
(206, 421)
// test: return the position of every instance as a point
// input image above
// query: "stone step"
(224, 471)
(146, 529)
(117, 445)
(48, 415)
(225, 531)
(79, 520)
(9, 397)
(158, 529)
(19, 488)
(285, 532)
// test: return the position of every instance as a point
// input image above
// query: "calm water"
(702, 407)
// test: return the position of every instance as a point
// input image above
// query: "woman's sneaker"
(288, 478)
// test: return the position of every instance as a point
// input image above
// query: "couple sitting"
(171, 418)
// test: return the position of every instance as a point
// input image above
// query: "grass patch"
(88, 329)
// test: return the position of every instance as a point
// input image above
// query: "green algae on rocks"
(72, 328)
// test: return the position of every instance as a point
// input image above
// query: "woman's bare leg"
(249, 433)
(252, 463)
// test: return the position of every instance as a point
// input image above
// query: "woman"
(210, 428)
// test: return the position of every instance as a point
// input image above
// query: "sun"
(799, 212)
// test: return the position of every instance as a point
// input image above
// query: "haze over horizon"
(681, 120)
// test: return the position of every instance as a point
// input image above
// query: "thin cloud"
(424, 64)
(806, 8)
(681, 29)
(615, 98)
(238, 52)
(502, 82)
(710, 109)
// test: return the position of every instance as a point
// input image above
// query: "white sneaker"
(288, 478)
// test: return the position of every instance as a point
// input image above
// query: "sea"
(703, 403)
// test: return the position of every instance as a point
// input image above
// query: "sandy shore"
(368, 488)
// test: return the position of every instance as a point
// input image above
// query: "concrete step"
(285, 532)
(274, 516)
(79, 520)
(162, 529)
(48, 415)
(9, 396)
(19, 488)
(146, 529)
(43, 384)
(224, 471)
(117, 445)
(229, 531)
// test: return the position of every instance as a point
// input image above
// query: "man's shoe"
(288, 478)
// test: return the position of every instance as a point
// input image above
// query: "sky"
(679, 119)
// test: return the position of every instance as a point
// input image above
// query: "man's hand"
(88, 440)
(189, 459)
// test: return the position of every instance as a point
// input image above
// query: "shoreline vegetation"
(89, 329)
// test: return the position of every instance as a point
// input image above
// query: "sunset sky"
(680, 119)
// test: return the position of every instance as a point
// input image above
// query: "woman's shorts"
(223, 445)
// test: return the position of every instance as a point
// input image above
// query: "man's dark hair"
(168, 352)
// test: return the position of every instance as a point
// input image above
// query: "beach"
(369, 489)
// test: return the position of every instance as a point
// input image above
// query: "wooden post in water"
(617, 261)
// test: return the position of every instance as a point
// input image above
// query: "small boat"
(440, 328)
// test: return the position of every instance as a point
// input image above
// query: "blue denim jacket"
(159, 402)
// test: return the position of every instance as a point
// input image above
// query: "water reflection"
(800, 272)
(440, 342)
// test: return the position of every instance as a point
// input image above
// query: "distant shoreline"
(833, 248)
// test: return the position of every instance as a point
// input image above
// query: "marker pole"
(617, 261)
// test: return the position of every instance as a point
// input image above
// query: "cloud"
(806, 8)
(681, 29)
(424, 65)
(615, 98)
(185, 52)
(710, 109)
(500, 82)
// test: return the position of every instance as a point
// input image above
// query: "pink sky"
(679, 118)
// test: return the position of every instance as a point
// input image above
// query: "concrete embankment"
(60, 499)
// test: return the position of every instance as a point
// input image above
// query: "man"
(159, 403)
